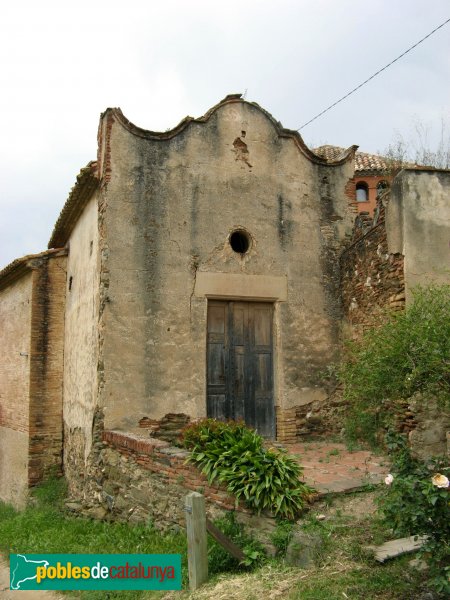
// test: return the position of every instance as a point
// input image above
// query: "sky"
(64, 62)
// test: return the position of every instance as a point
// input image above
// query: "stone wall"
(406, 244)
(430, 434)
(418, 225)
(372, 279)
(138, 479)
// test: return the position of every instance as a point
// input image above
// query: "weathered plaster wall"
(15, 327)
(81, 335)
(13, 466)
(418, 225)
(169, 207)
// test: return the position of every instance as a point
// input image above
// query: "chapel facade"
(193, 271)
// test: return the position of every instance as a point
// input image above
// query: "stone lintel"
(240, 286)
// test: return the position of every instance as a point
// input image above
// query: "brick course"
(46, 368)
(161, 458)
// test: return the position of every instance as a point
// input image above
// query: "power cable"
(372, 76)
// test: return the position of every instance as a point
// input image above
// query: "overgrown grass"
(44, 528)
(346, 569)
(343, 569)
(387, 583)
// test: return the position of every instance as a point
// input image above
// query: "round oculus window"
(240, 241)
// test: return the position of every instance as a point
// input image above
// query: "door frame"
(274, 347)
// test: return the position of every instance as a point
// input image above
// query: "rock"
(141, 496)
(138, 516)
(121, 503)
(96, 512)
(107, 501)
(73, 506)
(428, 596)
(303, 549)
(110, 488)
(418, 564)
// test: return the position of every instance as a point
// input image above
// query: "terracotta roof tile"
(86, 183)
(19, 266)
(364, 162)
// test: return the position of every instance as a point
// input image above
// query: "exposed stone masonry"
(169, 428)
(372, 279)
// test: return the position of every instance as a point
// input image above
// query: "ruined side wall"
(418, 226)
(171, 206)
(46, 376)
(81, 334)
(372, 278)
(15, 327)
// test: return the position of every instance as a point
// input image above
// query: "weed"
(282, 536)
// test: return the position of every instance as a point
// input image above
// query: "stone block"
(303, 549)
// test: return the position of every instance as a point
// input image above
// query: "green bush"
(416, 502)
(408, 354)
(232, 454)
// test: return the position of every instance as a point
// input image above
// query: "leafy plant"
(416, 502)
(220, 560)
(232, 454)
(408, 354)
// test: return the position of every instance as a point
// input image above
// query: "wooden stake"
(224, 541)
(196, 539)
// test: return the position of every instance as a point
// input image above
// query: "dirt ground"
(7, 594)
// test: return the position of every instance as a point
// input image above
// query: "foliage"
(232, 454)
(418, 149)
(408, 354)
(413, 504)
(220, 560)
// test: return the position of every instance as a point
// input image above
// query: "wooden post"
(196, 539)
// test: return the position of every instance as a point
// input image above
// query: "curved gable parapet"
(118, 115)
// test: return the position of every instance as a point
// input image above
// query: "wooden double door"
(240, 364)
